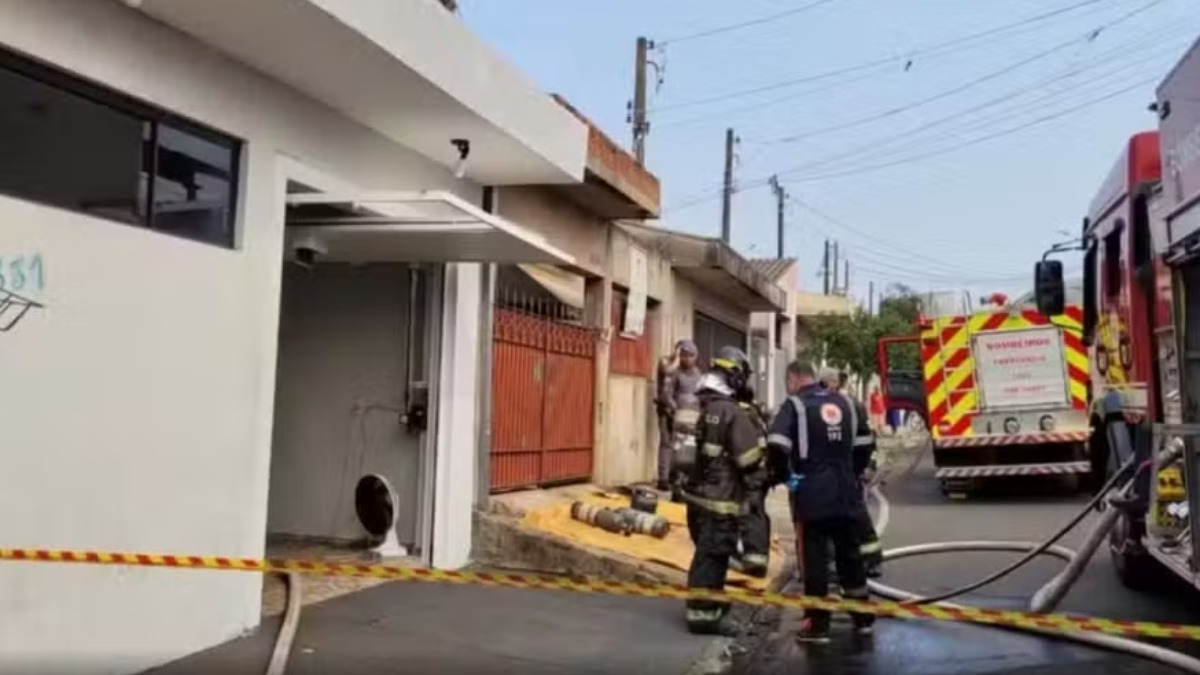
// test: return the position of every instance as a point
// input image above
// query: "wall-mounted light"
(464, 150)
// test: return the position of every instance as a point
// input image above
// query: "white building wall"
(458, 405)
(138, 403)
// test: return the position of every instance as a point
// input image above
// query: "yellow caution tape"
(993, 617)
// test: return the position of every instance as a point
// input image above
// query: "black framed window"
(74, 145)
(1112, 260)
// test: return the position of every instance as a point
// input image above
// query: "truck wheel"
(1136, 569)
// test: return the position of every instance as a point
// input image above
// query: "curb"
(502, 543)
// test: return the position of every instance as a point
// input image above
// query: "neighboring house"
(568, 374)
(250, 275)
(773, 334)
(710, 294)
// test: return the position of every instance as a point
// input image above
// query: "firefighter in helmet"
(730, 449)
(754, 525)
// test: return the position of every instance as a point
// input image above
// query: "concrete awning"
(409, 69)
(430, 226)
(714, 266)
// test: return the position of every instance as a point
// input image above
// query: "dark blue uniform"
(812, 440)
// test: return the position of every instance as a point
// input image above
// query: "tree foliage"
(849, 341)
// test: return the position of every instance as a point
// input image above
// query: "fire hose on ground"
(1048, 597)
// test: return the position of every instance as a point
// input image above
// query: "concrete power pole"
(780, 198)
(846, 279)
(836, 286)
(871, 298)
(727, 193)
(825, 267)
(637, 109)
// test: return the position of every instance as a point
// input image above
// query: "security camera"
(308, 249)
(464, 150)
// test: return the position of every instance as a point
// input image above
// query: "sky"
(943, 144)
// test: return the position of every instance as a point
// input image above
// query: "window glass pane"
(68, 151)
(192, 189)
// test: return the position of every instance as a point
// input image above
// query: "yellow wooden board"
(673, 550)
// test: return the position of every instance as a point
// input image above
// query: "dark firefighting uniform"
(754, 526)
(729, 447)
(815, 430)
(864, 458)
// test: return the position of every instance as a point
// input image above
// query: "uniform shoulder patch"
(831, 413)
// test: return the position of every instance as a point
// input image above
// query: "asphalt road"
(1018, 510)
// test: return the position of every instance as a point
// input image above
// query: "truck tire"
(1136, 569)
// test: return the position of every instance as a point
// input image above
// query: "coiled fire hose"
(1047, 598)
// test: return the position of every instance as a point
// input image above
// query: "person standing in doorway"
(678, 409)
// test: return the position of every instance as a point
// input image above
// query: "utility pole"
(836, 286)
(780, 197)
(727, 197)
(825, 267)
(637, 109)
(871, 298)
(846, 279)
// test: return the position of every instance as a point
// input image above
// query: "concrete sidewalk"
(444, 630)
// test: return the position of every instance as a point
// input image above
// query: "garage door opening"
(351, 456)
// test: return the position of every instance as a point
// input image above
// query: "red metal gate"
(543, 378)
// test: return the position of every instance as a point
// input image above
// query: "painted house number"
(23, 273)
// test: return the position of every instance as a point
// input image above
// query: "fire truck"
(1141, 324)
(1002, 391)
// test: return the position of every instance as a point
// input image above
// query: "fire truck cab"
(1141, 243)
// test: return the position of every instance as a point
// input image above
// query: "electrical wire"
(972, 142)
(872, 147)
(1010, 98)
(886, 70)
(729, 28)
(883, 70)
(845, 70)
(910, 255)
(761, 182)
(1088, 37)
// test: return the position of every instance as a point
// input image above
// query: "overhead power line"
(975, 141)
(1010, 97)
(845, 70)
(844, 83)
(729, 28)
(761, 182)
(1090, 36)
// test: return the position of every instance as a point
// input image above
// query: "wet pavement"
(439, 629)
(1012, 511)
(446, 630)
